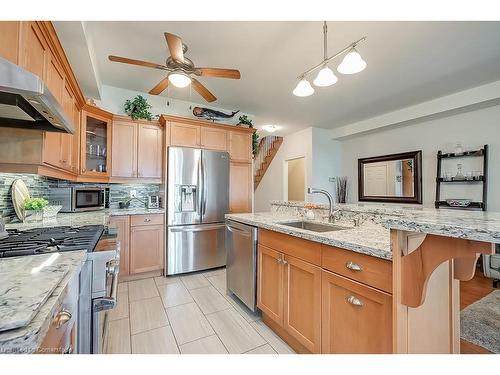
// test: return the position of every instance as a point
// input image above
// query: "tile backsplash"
(39, 187)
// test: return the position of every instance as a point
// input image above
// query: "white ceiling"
(408, 63)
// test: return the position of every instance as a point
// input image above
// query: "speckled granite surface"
(79, 219)
(28, 338)
(472, 225)
(369, 238)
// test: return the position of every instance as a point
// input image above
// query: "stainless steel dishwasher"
(241, 262)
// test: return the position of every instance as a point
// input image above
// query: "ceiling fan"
(181, 69)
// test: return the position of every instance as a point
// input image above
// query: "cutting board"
(25, 285)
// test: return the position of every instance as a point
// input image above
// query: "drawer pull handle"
(354, 301)
(285, 262)
(353, 266)
(279, 260)
(147, 220)
(63, 317)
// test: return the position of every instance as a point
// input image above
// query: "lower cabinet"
(356, 318)
(316, 310)
(141, 243)
(146, 248)
(289, 293)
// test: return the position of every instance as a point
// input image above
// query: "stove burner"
(48, 240)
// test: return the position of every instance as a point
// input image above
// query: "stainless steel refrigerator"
(197, 200)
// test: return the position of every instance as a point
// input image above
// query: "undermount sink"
(314, 227)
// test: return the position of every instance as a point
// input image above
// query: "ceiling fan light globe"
(179, 79)
(303, 88)
(352, 63)
(325, 77)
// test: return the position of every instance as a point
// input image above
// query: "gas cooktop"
(49, 240)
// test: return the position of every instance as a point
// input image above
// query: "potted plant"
(138, 108)
(33, 209)
(244, 120)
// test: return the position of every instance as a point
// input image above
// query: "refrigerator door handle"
(204, 185)
(199, 189)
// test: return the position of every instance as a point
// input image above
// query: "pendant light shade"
(352, 63)
(325, 77)
(179, 79)
(303, 88)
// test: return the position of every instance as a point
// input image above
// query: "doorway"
(296, 179)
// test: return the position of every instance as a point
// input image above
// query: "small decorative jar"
(33, 216)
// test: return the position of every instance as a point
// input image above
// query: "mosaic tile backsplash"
(39, 187)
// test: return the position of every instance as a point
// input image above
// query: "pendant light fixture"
(352, 63)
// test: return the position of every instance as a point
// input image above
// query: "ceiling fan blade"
(137, 62)
(202, 90)
(160, 87)
(175, 47)
(220, 72)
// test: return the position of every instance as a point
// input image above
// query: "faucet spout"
(331, 214)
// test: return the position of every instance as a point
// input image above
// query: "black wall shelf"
(478, 179)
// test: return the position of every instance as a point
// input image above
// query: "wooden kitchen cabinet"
(95, 145)
(302, 302)
(9, 48)
(150, 151)
(146, 248)
(270, 283)
(137, 150)
(289, 293)
(124, 149)
(34, 49)
(355, 318)
(122, 223)
(185, 135)
(240, 146)
(213, 138)
(240, 187)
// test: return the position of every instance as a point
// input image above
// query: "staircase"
(268, 147)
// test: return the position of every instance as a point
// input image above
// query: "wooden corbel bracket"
(422, 254)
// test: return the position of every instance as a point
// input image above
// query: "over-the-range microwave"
(75, 199)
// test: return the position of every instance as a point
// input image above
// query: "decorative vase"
(33, 216)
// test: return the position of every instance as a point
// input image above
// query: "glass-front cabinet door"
(96, 142)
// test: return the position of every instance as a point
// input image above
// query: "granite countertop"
(78, 219)
(471, 225)
(369, 238)
(18, 283)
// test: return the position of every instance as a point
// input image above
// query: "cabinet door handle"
(353, 266)
(63, 317)
(354, 301)
(285, 262)
(280, 260)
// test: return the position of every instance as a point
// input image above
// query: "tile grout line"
(168, 319)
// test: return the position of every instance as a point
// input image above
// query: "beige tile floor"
(189, 314)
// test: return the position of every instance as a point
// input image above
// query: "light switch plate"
(331, 179)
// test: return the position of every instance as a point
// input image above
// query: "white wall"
(321, 155)
(113, 100)
(474, 129)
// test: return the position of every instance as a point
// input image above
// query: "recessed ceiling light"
(270, 128)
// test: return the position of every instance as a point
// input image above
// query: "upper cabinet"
(137, 150)
(34, 49)
(9, 48)
(240, 146)
(95, 143)
(150, 151)
(185, 135)
(214, 138)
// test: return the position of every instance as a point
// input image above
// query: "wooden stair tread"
(266, 161)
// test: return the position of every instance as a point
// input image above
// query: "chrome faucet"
(331, 214)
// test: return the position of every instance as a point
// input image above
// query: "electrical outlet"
(133, 193)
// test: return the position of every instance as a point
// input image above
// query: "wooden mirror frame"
(416, 156)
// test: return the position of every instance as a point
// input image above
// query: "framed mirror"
(393, 178)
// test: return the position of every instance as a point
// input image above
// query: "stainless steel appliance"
(26, 102)
(153, 201)
(98, 278)
(241, 267)
(75, 199)
(197, 200)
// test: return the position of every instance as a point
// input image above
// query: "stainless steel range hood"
(26, 102)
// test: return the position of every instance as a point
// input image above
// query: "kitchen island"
(424, 253)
